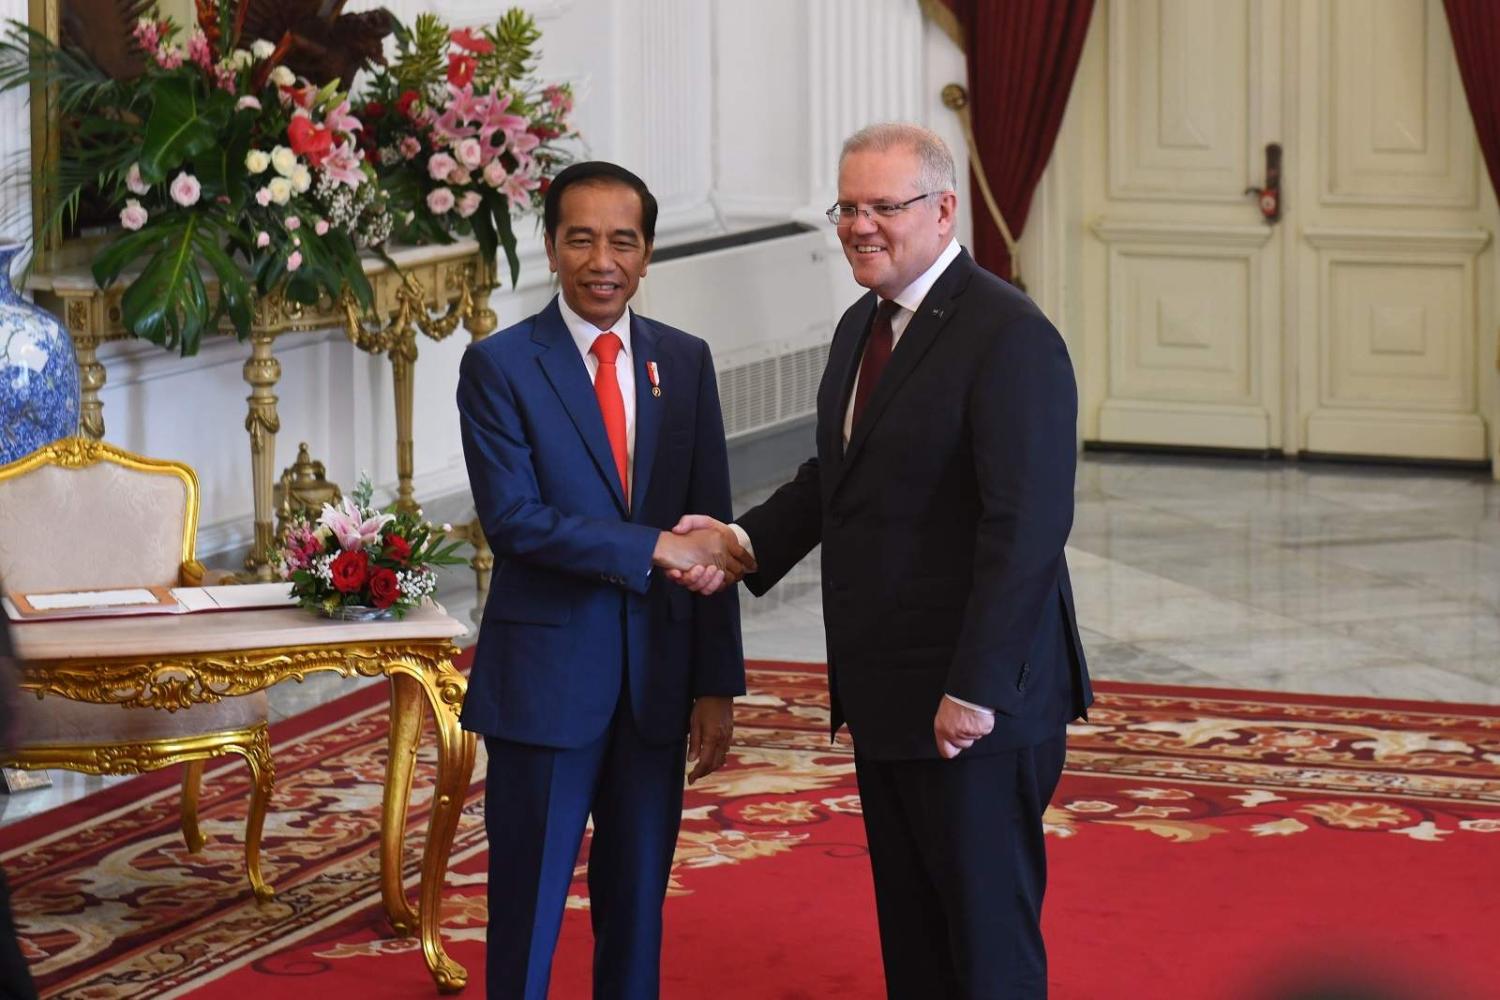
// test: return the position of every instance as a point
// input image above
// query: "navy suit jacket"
(942, 523)
(574, 607)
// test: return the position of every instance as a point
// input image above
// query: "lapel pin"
(937, 312)
(655, 377)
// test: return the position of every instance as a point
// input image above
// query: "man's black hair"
(598, 172)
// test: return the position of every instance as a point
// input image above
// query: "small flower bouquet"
(223, 165)
(354, 562)
(461, 135)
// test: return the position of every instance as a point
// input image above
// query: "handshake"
(702, 554)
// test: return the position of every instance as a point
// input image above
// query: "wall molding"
(1172, 233)
(1448, 241)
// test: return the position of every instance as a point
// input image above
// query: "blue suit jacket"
(574, 608)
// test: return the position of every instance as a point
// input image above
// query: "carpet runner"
(1202, 844)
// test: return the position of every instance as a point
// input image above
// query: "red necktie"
(877, 353)
(607, 347)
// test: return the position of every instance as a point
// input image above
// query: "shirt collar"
(584, 333)
(912, 295)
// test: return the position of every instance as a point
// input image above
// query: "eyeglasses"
(845, 213)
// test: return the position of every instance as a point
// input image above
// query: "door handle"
(1268, 198)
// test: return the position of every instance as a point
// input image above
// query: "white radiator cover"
(767, 310)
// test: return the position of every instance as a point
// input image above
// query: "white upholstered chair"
(82, 515)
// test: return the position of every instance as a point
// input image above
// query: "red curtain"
(1022, 57)
(1475, 27)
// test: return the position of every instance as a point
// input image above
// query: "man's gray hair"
(935, 170)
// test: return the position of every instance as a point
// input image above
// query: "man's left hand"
(709, 734)
(957, 727)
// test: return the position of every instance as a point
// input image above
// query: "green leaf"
(176, 129)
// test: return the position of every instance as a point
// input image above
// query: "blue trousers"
(537, 802)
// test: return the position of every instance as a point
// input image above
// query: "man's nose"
(600, 259)
(863, 223)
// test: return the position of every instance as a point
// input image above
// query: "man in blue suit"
(588, 432)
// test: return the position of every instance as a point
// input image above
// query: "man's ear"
(646, 259)
(948, 210)
(551, 248)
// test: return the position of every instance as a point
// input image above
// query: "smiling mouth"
(602, 287)
(867, 249)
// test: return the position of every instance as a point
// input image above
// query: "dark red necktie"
(877, 353)
(607, 347)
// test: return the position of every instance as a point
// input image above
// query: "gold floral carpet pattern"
(1174, 802)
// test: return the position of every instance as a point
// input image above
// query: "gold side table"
(172, 662)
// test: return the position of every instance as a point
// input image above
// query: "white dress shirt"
(584, 334)
(909, 299)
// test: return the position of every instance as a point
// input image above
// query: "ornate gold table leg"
(91, 373)
(406, 730)
(444, 688)
(262, 371)
(192, 781)
(263, 776)
(403, 355)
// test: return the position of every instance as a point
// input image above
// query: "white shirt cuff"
(970, 704)
(744, 538)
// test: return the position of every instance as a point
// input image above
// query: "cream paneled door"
(1352, 325)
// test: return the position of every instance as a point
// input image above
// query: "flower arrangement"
(353, 556)
(223, 164)
(461, 134)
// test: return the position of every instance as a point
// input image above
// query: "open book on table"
(22, 607)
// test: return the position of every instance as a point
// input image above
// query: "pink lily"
(352, 531)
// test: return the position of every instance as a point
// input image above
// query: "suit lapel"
(935, 311)
(843, 364)
(564, 368)
(649, 407)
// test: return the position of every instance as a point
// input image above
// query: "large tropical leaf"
(177, 129)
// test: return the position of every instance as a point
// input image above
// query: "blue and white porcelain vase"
(38, 373)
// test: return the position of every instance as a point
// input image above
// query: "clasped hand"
(702, 554)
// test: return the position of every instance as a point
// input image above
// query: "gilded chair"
(82, 515)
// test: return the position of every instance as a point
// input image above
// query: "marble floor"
(1311, 577)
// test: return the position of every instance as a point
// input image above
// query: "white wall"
(732, 111)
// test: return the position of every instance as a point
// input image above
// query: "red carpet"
(1205, 844)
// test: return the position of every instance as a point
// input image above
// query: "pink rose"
(440, 165)
(494, 173)
(134, 181)
(439, 201)
(469, 203)
(410, 147)
(470, 153)
(263, 197)
(321, 227)
(459, 176)
(263, 239)
(133, 216)
(185, 189)
(293, 223)
(294, 261)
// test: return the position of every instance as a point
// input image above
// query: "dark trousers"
(960, 868)
(15, 980)
(537, 801)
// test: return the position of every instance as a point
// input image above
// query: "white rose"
(284, 160)
(262, 49)
(301, 178)
(281, 190)
(240, 58)
(257, 160)
(282, 77)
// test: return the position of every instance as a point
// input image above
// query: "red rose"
(374, 109)
(461, 69)
(406, 100)
(383, 587)
(543, 185)
(397, 548)
(313, 141)
(349, 570)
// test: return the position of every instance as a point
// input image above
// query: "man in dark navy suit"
(942, 495)
(588, 432)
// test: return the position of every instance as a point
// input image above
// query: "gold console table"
(172, 662)
(436, 289)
